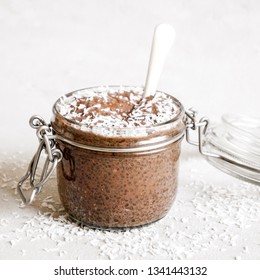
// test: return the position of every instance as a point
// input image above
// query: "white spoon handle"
(163, 38)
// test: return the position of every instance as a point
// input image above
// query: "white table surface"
(49, 48)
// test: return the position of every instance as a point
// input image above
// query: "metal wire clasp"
(201, 126)
(54, 155)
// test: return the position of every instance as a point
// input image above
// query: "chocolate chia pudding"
(120, 155)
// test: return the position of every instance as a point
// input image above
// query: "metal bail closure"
(47, 144)
(200, 126)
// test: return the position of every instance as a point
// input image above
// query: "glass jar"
(117, 177)
(127, 177)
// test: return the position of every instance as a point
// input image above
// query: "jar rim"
(179, 114)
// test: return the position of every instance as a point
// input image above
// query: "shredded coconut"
(207, 220)
(110, 108)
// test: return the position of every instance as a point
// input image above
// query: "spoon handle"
(163, 38)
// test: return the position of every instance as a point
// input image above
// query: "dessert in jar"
(120, 154)
(116, 149)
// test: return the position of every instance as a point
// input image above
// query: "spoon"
(163, 38)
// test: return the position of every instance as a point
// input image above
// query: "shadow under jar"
(117, 177)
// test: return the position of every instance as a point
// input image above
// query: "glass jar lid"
(233, 146)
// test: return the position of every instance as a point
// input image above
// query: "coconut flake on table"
(211, 209)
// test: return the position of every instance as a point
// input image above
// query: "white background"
(48, 48)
